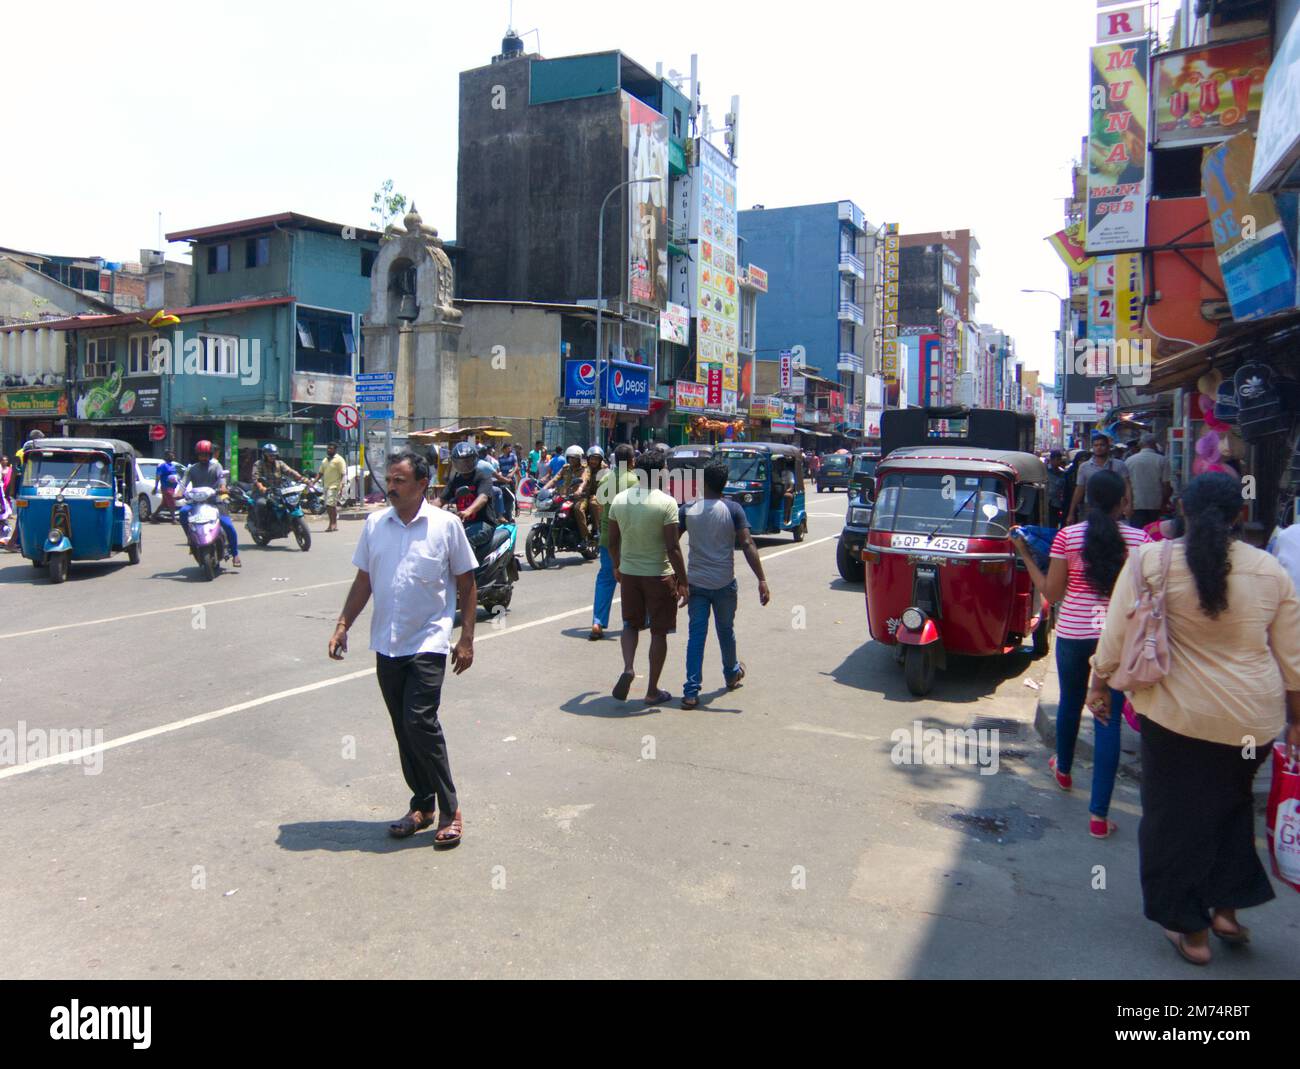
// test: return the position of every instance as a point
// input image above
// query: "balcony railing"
(851, 311)
(850, 264)
(849, 362)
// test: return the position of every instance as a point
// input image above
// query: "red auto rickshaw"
(941, 573)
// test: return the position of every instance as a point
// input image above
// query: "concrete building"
(821, 267)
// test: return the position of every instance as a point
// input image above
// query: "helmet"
(482, 450)
(573, 451)
(464, 457)
(595, 451)
(270, 449)
(203, 446)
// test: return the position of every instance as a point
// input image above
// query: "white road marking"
(813, 729)
(190, 606)
(266, 699)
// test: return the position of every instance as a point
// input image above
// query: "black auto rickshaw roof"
(103, 445)
(1026, 467)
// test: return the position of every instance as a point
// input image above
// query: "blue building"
(820, 301)
(264, 352)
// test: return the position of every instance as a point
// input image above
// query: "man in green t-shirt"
(651, 573)
(613, 481)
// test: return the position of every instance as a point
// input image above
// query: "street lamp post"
(600, 294)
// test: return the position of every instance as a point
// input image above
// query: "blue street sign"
(374, 395)
(375, 376)
(378, 413)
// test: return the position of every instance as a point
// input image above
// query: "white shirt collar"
(425, 512)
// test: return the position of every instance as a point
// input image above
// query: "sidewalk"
(1130, 763)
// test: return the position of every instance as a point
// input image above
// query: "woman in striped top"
(1086, 558)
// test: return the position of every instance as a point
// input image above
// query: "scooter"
(498, 570)
(556, 530)
(281, 517)
(207, 540)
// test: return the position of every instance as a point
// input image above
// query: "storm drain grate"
(1008, 730)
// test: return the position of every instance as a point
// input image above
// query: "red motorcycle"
(556, 531)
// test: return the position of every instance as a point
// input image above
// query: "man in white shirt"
(408, 558)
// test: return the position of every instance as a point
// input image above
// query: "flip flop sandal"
(1239, 938)
(690, 703)
(408, 826)
(1102, 829)
(624, 685)
(1179, 942)
(659, 699)
(449, 834)
(735, 680)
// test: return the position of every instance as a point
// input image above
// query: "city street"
(240, 828)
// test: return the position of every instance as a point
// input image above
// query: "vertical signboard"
(787, 371)
(889, 317)
(948, 371)
(1128, 296)
(647, 156)
(717, 281)
(1249, 240)
(1117, 147)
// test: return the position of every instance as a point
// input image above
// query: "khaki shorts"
(649, 596)
(332, 495)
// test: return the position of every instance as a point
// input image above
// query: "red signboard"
(715, 387)
(157, 432)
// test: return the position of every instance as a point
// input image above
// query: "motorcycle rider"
(268, 473)
(570, 480)
(587, 507)
(468, 493)
(207, 471)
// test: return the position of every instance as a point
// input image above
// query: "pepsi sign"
(627, 386)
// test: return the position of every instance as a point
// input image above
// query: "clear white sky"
(935, 113)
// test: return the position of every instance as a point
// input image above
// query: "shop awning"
(819, 434)
(1236, 341)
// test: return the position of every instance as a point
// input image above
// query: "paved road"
(240, 829)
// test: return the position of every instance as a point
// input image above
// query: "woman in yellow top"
(1234, 677)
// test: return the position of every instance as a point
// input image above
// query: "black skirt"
(1196, 842)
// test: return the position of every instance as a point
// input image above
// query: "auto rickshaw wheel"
(58, 567)
(918, 669)
(801, 530)
(133, 552)
(851, 571)
(1043, 633)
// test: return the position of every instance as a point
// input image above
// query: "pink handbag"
(1144, 660)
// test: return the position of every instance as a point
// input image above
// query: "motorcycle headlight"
(291, 500)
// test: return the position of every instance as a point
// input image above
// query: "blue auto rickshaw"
(758, 476)
(77, 502)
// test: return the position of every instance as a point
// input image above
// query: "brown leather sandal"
(414, 821)
(449, 834)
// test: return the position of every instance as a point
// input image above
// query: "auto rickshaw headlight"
(913, 619)
(55, 537)
(748, 499)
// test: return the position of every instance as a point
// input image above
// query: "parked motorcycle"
(207, 540)
(556, 531)
(313, 499)
(282, 516)
(241, 498)
(497, 570)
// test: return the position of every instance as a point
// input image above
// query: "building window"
(257, 252)
(846, 337)
(101, 358)
(218, 354)
(139, 354)
(367, 262)
(326, 342)
(748, 306)
(218, 259)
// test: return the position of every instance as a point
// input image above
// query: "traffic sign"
(375, 376)
(374, 395)
(379, 413)
(346, 417)
(157, 432)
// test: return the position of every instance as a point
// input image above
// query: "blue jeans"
(723, 603)
(605, 584)
(232, 539)
(1072, 667)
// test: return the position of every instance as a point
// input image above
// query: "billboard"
(627, 386)
(1278, 148)
(1208, 93)
(717, 281)
(33, 403)
(137, 397)
(1254, 256)
(647, 155)
(689, 396)
(1117, 147)
(675, 324)
(890, 360)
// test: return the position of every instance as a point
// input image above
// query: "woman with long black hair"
(1085, 560)
(1234, 675)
